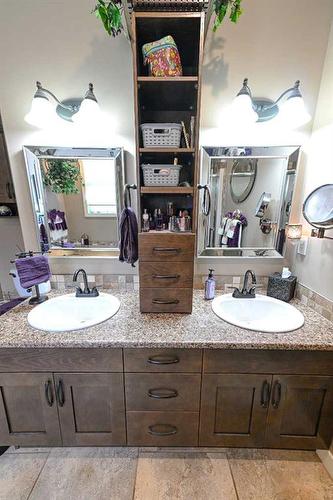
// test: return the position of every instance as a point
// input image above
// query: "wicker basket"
(161, 175)
(161, 135)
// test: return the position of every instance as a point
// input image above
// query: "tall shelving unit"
(166, 259)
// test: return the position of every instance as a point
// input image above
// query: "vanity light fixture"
(294, 231)
(289, 107)
(46, 108)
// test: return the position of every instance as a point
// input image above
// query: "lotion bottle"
(210, 286)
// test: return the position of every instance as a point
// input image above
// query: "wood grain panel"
(166, 247)
(162, 391)
(161, 274)
(166, 300)
(163, 360)
(174, 428)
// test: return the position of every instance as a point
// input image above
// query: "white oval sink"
(68, 312)
(262, 314)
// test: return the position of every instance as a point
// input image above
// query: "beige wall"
(315, 270)
(64, 46)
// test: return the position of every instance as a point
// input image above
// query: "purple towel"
(128, 228)
(33, 270)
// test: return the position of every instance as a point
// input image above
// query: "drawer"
(166, 247)
(268, 361)
(59, 360)
(162, 391)
(166, 300)
(161, 274)
(163, 360)
(162, 428)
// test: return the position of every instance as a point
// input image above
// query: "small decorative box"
(281, 288)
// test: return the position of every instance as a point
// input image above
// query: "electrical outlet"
(302, 246)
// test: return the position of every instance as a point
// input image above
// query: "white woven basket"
(161, 175)
(161, 135)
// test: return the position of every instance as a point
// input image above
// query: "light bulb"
(42, 113)
(242, 109)
(88, 113)
(292, 112)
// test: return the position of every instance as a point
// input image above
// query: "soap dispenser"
(210, 286)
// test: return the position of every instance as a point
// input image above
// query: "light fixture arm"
(293, 91)
(41, 91)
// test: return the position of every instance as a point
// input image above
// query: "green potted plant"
(62, 176)
(222, 7)
(110, 13)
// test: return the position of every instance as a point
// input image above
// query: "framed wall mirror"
(77, 197)
(251, 193)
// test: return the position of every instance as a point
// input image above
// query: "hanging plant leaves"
(221, 8)
(62, 176)
(110, 13)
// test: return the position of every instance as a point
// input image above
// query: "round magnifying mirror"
(242, 179)
(318, 207)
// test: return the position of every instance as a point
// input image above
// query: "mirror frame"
(52, 152)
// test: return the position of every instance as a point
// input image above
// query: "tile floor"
(168, 474)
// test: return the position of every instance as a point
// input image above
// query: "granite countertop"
(130, 328)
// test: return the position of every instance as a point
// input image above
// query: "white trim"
(327, 459)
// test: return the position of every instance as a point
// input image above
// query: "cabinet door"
(234, 409)
(6, 185)
(91, 408)
(301, 412)
(28, 410)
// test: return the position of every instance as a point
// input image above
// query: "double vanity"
(165, 379)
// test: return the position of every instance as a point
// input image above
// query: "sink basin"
(68, 312)
(262, 314)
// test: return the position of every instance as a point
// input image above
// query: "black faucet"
(86, 292)
(246, 293)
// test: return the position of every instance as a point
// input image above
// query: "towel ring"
(127, 194)
(206, 202)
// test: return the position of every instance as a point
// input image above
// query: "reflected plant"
(222, 7)
(62, 176)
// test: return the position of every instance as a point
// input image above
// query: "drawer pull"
(162, 393)
(165, 302)
(276, 396)
(156, 430)
(49, 393)
(166, 249)
(265, 394)
(166, 276)
(163, 360)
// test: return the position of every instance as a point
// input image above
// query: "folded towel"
(128, 228)
(33, 270)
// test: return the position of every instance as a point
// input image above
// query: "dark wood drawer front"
(161, 274)
(166, 391)
(163, 360)
(166, 300)
(157, 428)
(54, 359)
(166, 247)
(275, 361)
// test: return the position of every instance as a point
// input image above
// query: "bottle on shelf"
(145, 221)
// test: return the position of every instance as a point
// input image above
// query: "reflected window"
(99, 192)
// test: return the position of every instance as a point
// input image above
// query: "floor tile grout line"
(136, 474)
(232, 477)
(38, 476)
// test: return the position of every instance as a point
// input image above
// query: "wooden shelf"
(166, 150)
(166, 190)
(160, 79)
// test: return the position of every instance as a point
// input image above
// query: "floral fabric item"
(162, 57)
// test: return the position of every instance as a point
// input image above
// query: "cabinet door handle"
(61, 393)
(162, 393)
(276, 394)
(49, 393)
(163, 360)
(170, 430)
(166, 249)
(265, 394)
(166, 276)
(165, 302)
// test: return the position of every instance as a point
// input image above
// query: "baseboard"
(327, 458)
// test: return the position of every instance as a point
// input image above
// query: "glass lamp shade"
(294, 231)
(88, 113)
(242, 109)
(42, 113)
(293, 113)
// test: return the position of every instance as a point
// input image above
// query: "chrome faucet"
(86, 292)
(246, 292)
